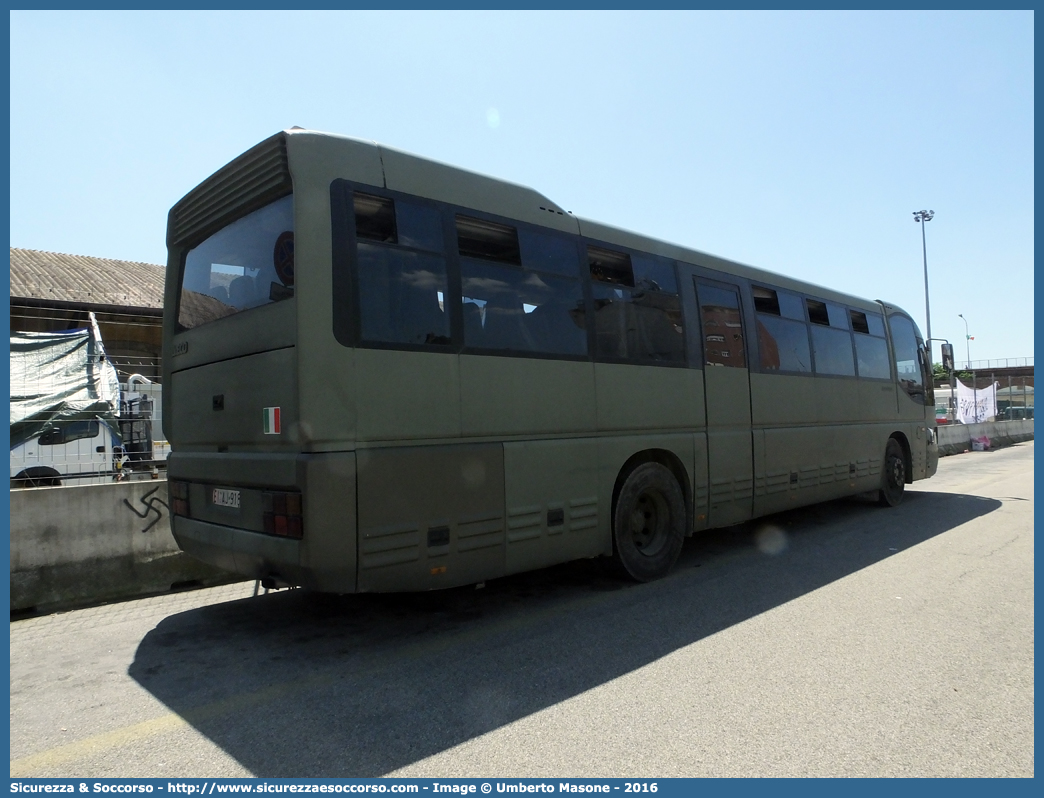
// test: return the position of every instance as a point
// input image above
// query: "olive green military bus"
(384, 373)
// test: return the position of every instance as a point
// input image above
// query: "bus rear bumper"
(242, 552)
(324, 559)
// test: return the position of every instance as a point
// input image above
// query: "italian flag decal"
(272, 421)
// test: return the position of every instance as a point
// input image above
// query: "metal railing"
(986, 365)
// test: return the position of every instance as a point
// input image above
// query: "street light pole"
(967, 341)
(922, 217)
(975, 381)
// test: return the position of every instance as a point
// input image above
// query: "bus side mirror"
(947, 356)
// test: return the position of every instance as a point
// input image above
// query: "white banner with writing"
(974, 406)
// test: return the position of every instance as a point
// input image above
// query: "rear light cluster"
(179, 495)
(282, 514)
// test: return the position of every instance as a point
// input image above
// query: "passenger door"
(727, 392)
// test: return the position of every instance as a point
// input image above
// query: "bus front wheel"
(648, 523)
(893, 478)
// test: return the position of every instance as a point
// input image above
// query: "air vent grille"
(255, 178)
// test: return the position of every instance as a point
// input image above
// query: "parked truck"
(71, 420)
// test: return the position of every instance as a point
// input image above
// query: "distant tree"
(942, 376)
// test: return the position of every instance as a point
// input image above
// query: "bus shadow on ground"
(295, 684)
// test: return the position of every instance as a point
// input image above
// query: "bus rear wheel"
(893, 477)
(648, 523)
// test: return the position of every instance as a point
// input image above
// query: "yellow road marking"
(29, 765)
(81, 749)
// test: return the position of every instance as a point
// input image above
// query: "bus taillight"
(282, 514)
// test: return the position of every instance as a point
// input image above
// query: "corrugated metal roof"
(80, 278)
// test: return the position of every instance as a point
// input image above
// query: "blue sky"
(796, 142)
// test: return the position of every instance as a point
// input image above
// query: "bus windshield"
(245, 265)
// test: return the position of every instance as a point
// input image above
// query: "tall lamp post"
(922, 217)
(967, 341)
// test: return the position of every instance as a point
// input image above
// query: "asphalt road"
(837, 640)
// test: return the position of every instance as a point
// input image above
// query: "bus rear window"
(245, 265)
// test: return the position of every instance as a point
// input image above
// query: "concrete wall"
(956, 438)
(82, 544)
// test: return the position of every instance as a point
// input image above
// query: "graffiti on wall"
(152, 504)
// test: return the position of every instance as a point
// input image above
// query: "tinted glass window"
(765, 300)
(68, 431)
(790, 306)
(723, 343)
(610, 266)
(654, 274)
(838, 316)
(401, 295)
(419, 226)
(872, 357)
(245, 265)
(478, 238)
(549, 253)
(783, 345)
(876, 324)
(859, 324)
(817, 312)
(374, 218)
(907, 355)
(833, 350)
(507, 308)
(827, 313)
(637, 325)
(777, 303)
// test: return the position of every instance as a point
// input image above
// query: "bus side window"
(723, 342)
(639, 326)
(607, 266)
(520, 290)
(480, 238)
(831, 339)
(549, 253)
(871, 347)
(558, 321)
(833, 351)
(654, 274)
(783, 345)
(907, 357)
(401, 272)
(782, 342)
(826, 314)
(859, 322)
(419, 226)
(638, 314)
(523, 312)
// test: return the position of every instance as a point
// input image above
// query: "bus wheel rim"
(649, 522)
